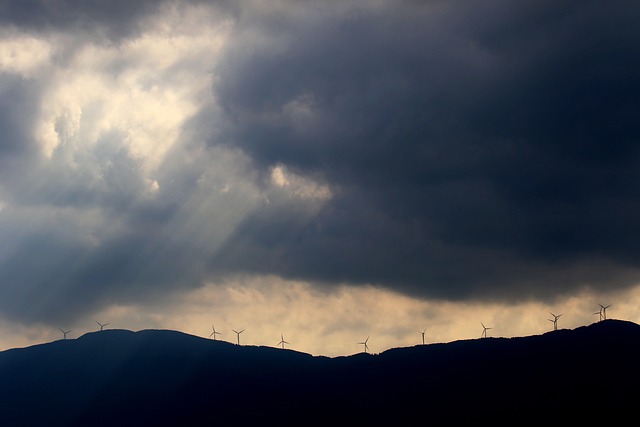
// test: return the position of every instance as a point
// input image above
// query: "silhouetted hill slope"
(152, 377)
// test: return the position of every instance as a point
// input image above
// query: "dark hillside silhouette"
(160, 377)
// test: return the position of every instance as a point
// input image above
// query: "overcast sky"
(328, 170)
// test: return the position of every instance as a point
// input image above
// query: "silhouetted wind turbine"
(64, 333)
(282, 341)
(214, 333)
(366, 347)
(555, 320)
(484, 330)
(599, 312)
(238, 333)
(423, 336)
(101, 325)
(603, 308)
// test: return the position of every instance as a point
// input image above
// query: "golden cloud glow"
(333, 322)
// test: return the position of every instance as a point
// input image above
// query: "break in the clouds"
(454, 150)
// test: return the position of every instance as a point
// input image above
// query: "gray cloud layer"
(472, 150)
(478, 148)
(114, 19)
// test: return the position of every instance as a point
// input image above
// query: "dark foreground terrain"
(157, 377)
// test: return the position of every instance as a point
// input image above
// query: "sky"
(325, 171)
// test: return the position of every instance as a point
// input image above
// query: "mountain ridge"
(164, 377)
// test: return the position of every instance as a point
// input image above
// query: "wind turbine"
(238, 333)
(603, 308)
(214, 333)
(554, 320)
(484, 330)
(599, 312)
(423, 336)
(65, 332)
(101, 325)
(366, 347)
(282, 341)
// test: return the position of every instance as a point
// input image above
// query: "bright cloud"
(299, 186)
(145, 88)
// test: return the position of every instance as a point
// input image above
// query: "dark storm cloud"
(108, 20)
(18, 105)
(116, 18)
(475, 149)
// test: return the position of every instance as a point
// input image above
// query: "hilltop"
(163, 377)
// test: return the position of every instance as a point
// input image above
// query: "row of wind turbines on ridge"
(602, 314)
(64, 333)
(214, 333)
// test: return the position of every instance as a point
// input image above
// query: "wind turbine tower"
(423, 332)
(484, 330)
(555, 321)
(64, 333)
(238, 334)
(603, 309)
(214, 333)
(282, 341)
(366, 347)
(599, 313)
(101, 325)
